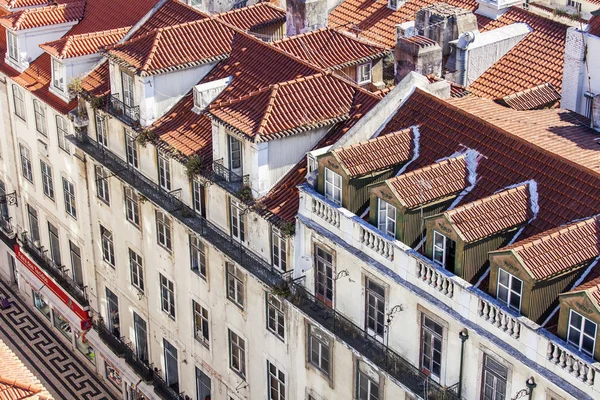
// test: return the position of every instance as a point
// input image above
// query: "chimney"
(419, 54)
(305, 16)
(444, 23)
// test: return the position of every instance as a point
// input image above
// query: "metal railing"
(127, 114)
(116, 344)
(163, 390)
(227, 178)
(56, 272)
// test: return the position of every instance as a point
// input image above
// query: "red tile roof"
(97, 82)
(594, 25)
(253, 17)
(81, 45)
(432, 182)
(591, 285)
(329, 48)
(492, 214)
(376, 154)
(541, 96)
(43, 16)
(16, 381)
(456, 90)
(287, 108)
(22, 3)
(173, 12)
(164, 50)
(560, 249)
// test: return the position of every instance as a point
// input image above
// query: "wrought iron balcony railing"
(127, 114)
(55, 271)
(355, 336)
(227, 178)
(163, 390)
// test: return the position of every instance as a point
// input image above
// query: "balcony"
(227, 178)
(127, 114)
(163, 390)
(55, 271)
(115, 343)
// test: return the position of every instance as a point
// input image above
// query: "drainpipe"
(464, 335)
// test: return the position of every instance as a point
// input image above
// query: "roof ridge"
(375, 139)
(268, 111)
(303, 34)
(553, 232)
(150, 57)
(493, 196)
(230, 102)
(430, 166)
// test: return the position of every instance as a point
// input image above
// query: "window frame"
(582, 333)
(387, 219)
(167, 296)
(128, 86)
(324, 273)
(19, 102)
(439, 249)
(164, 230)
(12, 42)
(131, 149)
(76, 269)
(132, 206)
(62, 131)
(202, 332)
(428, 337)
(370, 383)
(136, 268)
(237, 345)
(47, 180)
(495, 375)
(279, 250)
(198, 197)
(198, 254)
(102, 186)
(164, 171)
(235, 155)
(510, 292)
(26, 167)
(276, 382)
(377, 329)
(101, 131)
(108, 245)
(58, 75)
(368, 66)
(54, 244)
(69, 198)
(237, 223)
(39, 110)
(34, 224)
(330, 188)
(236, 285)
(316, 336)
(275, 316)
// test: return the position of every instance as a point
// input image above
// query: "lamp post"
(464, 335)
(530, 383)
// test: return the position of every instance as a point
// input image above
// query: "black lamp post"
(530, 383)
(464, 335)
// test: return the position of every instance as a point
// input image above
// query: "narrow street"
(60, 371)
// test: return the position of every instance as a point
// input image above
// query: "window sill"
(21, 118)
(202, 342)
(169, 315)
(197, 272)
(276, 335)
(241, 307)
(242, 376)
(165, 248)
(138, 226)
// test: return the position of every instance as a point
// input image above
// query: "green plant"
(281, 290)
(96, 102)
(245, 194)
(145, 136)
(289, 228)
(194, 166)
(74, 87)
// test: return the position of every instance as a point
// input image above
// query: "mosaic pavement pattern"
(46, 355)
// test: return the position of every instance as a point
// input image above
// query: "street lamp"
(530, 383)
(464, 335)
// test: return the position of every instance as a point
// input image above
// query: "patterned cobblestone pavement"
(46, 355)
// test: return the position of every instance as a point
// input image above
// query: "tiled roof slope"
(10, 4)
(559, 249)
(97, 82)
(288, 107)
(253, 17)
(173, 12)
(16, 381)
(175, 47)
(594, 25)
(566, 190)
(329, 48)
(537, 97)
(43, 16)
(591, 285)
(561, 132)
(376, 154)
(492, 214)
(84, 44)
(431, 182)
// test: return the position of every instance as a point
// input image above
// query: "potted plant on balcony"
(74, 87)
(245, 194)
(145, 136)
(194, 166)
(289, 228)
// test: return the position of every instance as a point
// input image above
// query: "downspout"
(464, 335)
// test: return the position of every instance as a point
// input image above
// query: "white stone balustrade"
(500, 318)
(376, 242)
(435, 278)
(326, 212)
(573, 365)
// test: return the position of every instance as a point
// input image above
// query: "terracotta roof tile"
(377, 154)
(432, 182)
(594, 25)
(179, 46)
(456, 90)
(44, 16)
(537, 97)
(22, 3)
(288, 107)
(254, 16)
(560, 249)
(16, 381)
(492, 214)
(173, 12)
(329, 48)
(84, 44)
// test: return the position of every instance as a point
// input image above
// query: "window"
(19, 102)
(69, 194)
(386, 221)
(201, 327)
(112, 306)
(444, 250)
(34, 227)
(127, 82)
(324, 276)
(47, 183)
(137, 271)
(275, 382)
(202, 385)
(131, 149)
(132, 207)
(164, 172)
(279, 244)
(318, 350)
(58, 75)
(163, 230)
(141, 337)
(431, 346)
(102, 190)
(26, 169)
(3, 206)
(167, 295)
(363, 73)
(108, 249)
(62, 130)
(54, 244)
(235, 155)
(582, 333)
(198, 196)
(509, 290)
(275, 316)
(375, 297)
(393, 4)
(333, 186)
(198, 256)
(171, 366)
(13, 46)
(575, 4)
(76, 269)
(235, 285)
(237, 354)
(495, 376)
(367, 388)
(237, 221)
(101, 131)
(40, 117)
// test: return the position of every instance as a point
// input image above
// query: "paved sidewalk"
(60, 371)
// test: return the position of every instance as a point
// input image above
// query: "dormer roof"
(10, 4)
(176, 47)
(590, 286)
(81, 45)
(43, 16)
(253, 17)
(287, 108)
(537, 97)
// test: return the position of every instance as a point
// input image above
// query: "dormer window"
(235, 155)
(582, 333)
(444, 250)
(127, 82)
(510, 290)
(58, 75)
(363, 73)
(386, 218)
(206, 93)
(333, 186)
(13, 46)
(394, 4)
